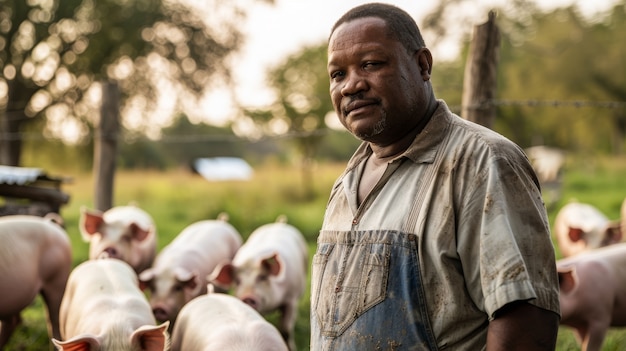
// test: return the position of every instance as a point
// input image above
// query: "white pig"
(103, 309)
(580, 227)
(180, 270)
(124, 232)
(593, 293)
(35, 258)
(269, 273)
(225, 323)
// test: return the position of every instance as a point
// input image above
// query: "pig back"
(282, 238)
(34, 253)
(222, 322)
(102, 295)
(208, 238)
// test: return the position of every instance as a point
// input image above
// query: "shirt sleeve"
(504, 238)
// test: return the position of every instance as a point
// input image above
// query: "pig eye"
(178, 287)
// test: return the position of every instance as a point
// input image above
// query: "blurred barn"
(30, 191)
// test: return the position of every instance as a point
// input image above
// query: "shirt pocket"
(348, 281)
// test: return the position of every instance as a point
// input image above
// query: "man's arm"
(522, 326)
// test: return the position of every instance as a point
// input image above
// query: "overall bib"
(367, 291)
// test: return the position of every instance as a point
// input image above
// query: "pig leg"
(7, 326)
(287, 323)
(52, 298)
(596, 331)
(54, 283)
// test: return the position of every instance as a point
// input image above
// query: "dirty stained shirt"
(469, 200)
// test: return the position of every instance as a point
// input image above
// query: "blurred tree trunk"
(11, 119)
(479, 85)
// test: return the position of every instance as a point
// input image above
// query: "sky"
(276, 31)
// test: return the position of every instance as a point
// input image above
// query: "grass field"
(177, 198)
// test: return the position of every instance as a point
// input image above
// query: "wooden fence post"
(480, 79)
(105, 146)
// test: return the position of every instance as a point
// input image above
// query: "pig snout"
(160, 313)
(251, 301)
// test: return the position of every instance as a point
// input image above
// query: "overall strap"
(425, 188)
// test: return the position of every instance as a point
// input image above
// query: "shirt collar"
(424, 146)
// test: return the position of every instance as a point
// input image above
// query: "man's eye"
(336, 74)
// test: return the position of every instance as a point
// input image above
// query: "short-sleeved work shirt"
(466, 203)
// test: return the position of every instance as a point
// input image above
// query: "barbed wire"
(195, 138)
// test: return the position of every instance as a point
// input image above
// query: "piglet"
(223, 322)
(35, 258)
(127, 233)
(103, 309)
(580, 227)
(269, 273)
(180, 270)
(593, 293)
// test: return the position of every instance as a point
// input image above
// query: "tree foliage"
(54, 53)
(561, 78)
(302, 103)
(576, 63)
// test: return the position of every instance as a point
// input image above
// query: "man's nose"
(353, 84)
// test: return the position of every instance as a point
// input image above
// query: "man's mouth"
(356, 105)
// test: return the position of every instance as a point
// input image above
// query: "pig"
(180, 270)
(103, 309)
(35, 258)
(222, 322)
(580, 227)
(269, 273)
(593, 293)
(124, 232)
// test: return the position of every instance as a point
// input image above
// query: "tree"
(54, 53)
(575, 62)
(302, 103)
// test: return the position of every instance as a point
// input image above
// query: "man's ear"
(425, 62)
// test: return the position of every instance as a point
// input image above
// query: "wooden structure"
(30, 191)
(479, 83)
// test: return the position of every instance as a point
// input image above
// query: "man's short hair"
(399, 23)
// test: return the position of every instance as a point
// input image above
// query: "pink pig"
(125, 232)
(103, 309)
(35, 258)
(180, 270)
(269, 273)
(223, 322)
(593, 293)
(580, 227)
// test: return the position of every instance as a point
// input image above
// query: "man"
(435, 236)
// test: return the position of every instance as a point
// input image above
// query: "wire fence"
(196, 138)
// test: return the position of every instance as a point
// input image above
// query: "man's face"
(375, 84)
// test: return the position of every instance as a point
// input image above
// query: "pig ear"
(150, 337)
(79, 343)
(223, 275)
(568, 279)
(144, 278)
(90, 221)
(575, 234)
(138, 233)
(273, 265)
(614, 232)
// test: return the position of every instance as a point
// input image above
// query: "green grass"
(177, 198)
